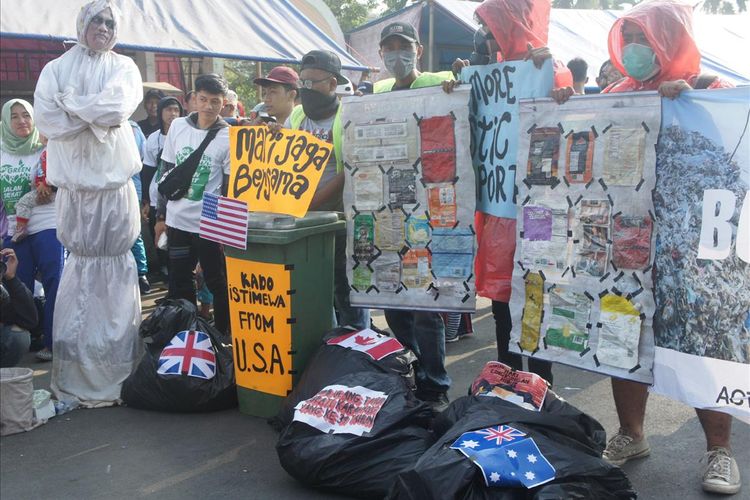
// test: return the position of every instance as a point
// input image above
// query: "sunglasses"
(99, 20)
(308, 84)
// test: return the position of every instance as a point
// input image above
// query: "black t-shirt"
(147, 128)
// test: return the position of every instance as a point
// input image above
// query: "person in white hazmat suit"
(83, 100)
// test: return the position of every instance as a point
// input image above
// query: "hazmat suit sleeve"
(113, 105)
(50, 118)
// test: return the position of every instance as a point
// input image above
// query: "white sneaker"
(622, 448)
(721, 474)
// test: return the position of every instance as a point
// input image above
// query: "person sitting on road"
(18, 312)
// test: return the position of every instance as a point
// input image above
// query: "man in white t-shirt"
(168, 109)
(181, 218)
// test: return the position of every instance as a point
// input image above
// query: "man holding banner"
(205, 134)
(320, 114)
(422, 331)
(652, 45)
(509, 31)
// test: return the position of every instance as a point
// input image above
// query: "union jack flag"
(487, 438)
(188, 353)
(500, 433)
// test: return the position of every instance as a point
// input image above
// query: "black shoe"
(144, 285)
(438, 401)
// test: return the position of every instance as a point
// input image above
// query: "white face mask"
(400, 63)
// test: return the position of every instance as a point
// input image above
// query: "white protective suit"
(82, 103)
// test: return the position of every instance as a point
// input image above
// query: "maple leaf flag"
(373, 344)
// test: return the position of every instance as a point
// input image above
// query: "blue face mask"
(639, 61)
(400, 63)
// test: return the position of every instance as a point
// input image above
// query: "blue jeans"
(356, 317)
(139, 253)
(41, 253)
(424, 333)
(13, 344)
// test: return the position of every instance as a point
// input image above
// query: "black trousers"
(503, 326)
(185, 251)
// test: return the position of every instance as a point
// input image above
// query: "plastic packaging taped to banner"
(418, 231)
(580, 157)
(531, 323)
(619, 333)
(415, 270)
(442, 203)
(631, 248)
(368, 188)
(364, 241)
(623, 162)
(452, 252)
(389, 230)
(569, 315)
(544, 152)
(402, 187)
(438, 141)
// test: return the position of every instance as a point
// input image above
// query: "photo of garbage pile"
(702, 306)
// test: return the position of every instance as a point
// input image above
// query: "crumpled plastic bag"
(148, 390)
(362, 466)
(569, 439)
(331, 362)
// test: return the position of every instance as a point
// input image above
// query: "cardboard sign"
(276, 173)
(339, 409)
(260, 309)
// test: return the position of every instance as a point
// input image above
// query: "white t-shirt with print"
(17, 179)
(154, 143)
(182, 139)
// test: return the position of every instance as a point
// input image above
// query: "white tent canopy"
(259, 30)
(723, 40)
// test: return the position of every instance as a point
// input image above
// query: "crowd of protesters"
(71, 220)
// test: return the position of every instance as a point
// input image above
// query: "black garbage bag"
(199, 365)
(570, 440)
(362, 466)
(331, 362)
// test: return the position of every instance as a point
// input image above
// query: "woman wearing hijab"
(83, 100)
(653, 46)
(40, 252)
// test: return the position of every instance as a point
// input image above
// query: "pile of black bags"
(146, 389)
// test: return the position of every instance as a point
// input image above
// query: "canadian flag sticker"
(373, 344)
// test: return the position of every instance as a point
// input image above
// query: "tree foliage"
(240, 76)
(351, 13)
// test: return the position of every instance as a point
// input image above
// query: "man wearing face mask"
(400, 49)
(320, 114)
(423, 332)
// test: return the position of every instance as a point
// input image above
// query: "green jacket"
(423, 80)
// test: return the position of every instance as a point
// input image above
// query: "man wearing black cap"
(150, 103)
(279, 92)
(421, 331)
(400, 50)
(320, 114)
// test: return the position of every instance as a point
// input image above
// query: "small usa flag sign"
(224, 220)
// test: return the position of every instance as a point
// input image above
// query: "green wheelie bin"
(280, 303)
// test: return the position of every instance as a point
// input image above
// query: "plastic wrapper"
(569, 439)
(362, 466)
(331, 362)
(148, 390)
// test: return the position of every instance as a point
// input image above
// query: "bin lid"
(267, 220)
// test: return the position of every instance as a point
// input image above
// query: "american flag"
(224, 220)
(188, 353)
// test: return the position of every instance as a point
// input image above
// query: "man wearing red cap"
(279, 92)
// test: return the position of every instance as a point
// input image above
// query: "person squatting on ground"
(83, 101)
(320, 114)
(19, 314)
(39, 252)
(653, 46)
(181, 217)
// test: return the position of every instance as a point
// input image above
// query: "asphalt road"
(122, 453)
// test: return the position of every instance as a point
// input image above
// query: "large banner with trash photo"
(702, 280)
(633, 261)
(582, 277)
(409, 200)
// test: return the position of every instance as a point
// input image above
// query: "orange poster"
(276, 173)
(260, 309)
